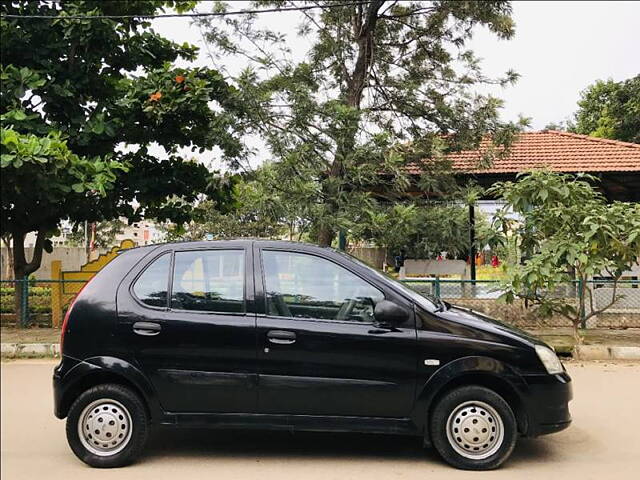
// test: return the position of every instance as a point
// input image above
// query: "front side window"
(151, 286)
(209, 280)
(304, 286)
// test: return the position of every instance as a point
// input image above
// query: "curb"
(29, 350)
(605, 352)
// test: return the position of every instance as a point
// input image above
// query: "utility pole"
(472, 241)
(86, 239)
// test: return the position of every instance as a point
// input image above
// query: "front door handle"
(146, 329)
(282, 337)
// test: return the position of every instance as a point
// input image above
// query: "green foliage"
(260, 209)
(105, 233)
(39, 299)
(567, 232)
(43, 181)
(610, 109)
(383, 85)
(423, 229)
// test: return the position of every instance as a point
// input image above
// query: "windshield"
(423, 300)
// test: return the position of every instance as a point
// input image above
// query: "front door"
(319, 349)
(186, 317)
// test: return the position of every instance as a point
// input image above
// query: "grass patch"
(29, 335)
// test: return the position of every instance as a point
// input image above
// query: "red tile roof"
(559, 151)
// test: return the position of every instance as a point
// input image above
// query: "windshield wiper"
(442, 305)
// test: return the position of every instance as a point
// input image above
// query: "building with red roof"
(616, 163)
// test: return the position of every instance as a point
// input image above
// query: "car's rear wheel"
(107, 426)
(473, 428)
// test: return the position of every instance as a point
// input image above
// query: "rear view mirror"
(387, 312)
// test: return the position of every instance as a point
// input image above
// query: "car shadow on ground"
(256, 444)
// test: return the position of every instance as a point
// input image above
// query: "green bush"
(33, 291)
(39, 300)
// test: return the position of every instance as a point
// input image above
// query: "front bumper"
(548, 403)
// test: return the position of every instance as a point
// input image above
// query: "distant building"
(144, 232)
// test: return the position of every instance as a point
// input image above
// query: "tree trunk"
(364, 24)
(8, 267)
(22, 269)
(325, 236)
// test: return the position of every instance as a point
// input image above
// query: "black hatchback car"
(280, 335)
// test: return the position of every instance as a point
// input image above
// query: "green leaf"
(6, 159)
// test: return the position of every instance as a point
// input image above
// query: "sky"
(559, 48)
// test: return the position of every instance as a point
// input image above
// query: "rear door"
(186, 316)
(319, 349)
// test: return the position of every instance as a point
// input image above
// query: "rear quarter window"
(151, 287)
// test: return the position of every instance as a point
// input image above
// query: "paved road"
(603, 442)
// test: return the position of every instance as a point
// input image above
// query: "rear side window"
(151, 286)
(209, 280)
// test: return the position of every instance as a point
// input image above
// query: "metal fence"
(41, 302)
(484, 295)
(44, 302)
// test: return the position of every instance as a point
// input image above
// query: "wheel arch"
(482, 371)
(100, 370)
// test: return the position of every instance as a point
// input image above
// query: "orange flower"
(179, 79)
(154, 97)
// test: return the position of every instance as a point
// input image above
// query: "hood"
(488, 325)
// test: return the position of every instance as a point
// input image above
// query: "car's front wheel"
(107, 426)
(473, 428)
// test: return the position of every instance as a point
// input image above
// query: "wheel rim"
(105, 427)
(475, 430)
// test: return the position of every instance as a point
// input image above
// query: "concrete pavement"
(602, 443)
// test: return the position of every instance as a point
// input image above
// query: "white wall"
(72, 259)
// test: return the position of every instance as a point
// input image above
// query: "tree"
(104, 83)
(560, 126)
(609, 109)
(41, 181)
(384, 84)
(417, 229)
(104, 233)
(260, 210)
(567, 232)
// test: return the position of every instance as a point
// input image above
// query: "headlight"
(549, 359)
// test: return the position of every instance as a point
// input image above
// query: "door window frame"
(264, 305)
(248, 285)
(148, 265)
(245, 274)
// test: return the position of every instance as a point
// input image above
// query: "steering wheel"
(346, 309)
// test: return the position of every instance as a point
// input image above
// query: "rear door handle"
(146, 329)
(282, 337)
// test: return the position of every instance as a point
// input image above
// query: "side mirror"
(390, 313)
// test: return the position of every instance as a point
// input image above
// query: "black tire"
(134, 438)
(460, 401)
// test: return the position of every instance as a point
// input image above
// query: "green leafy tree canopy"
(609, 109)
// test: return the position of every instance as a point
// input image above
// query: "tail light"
(65, 322)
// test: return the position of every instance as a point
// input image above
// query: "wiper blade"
(442, 305)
